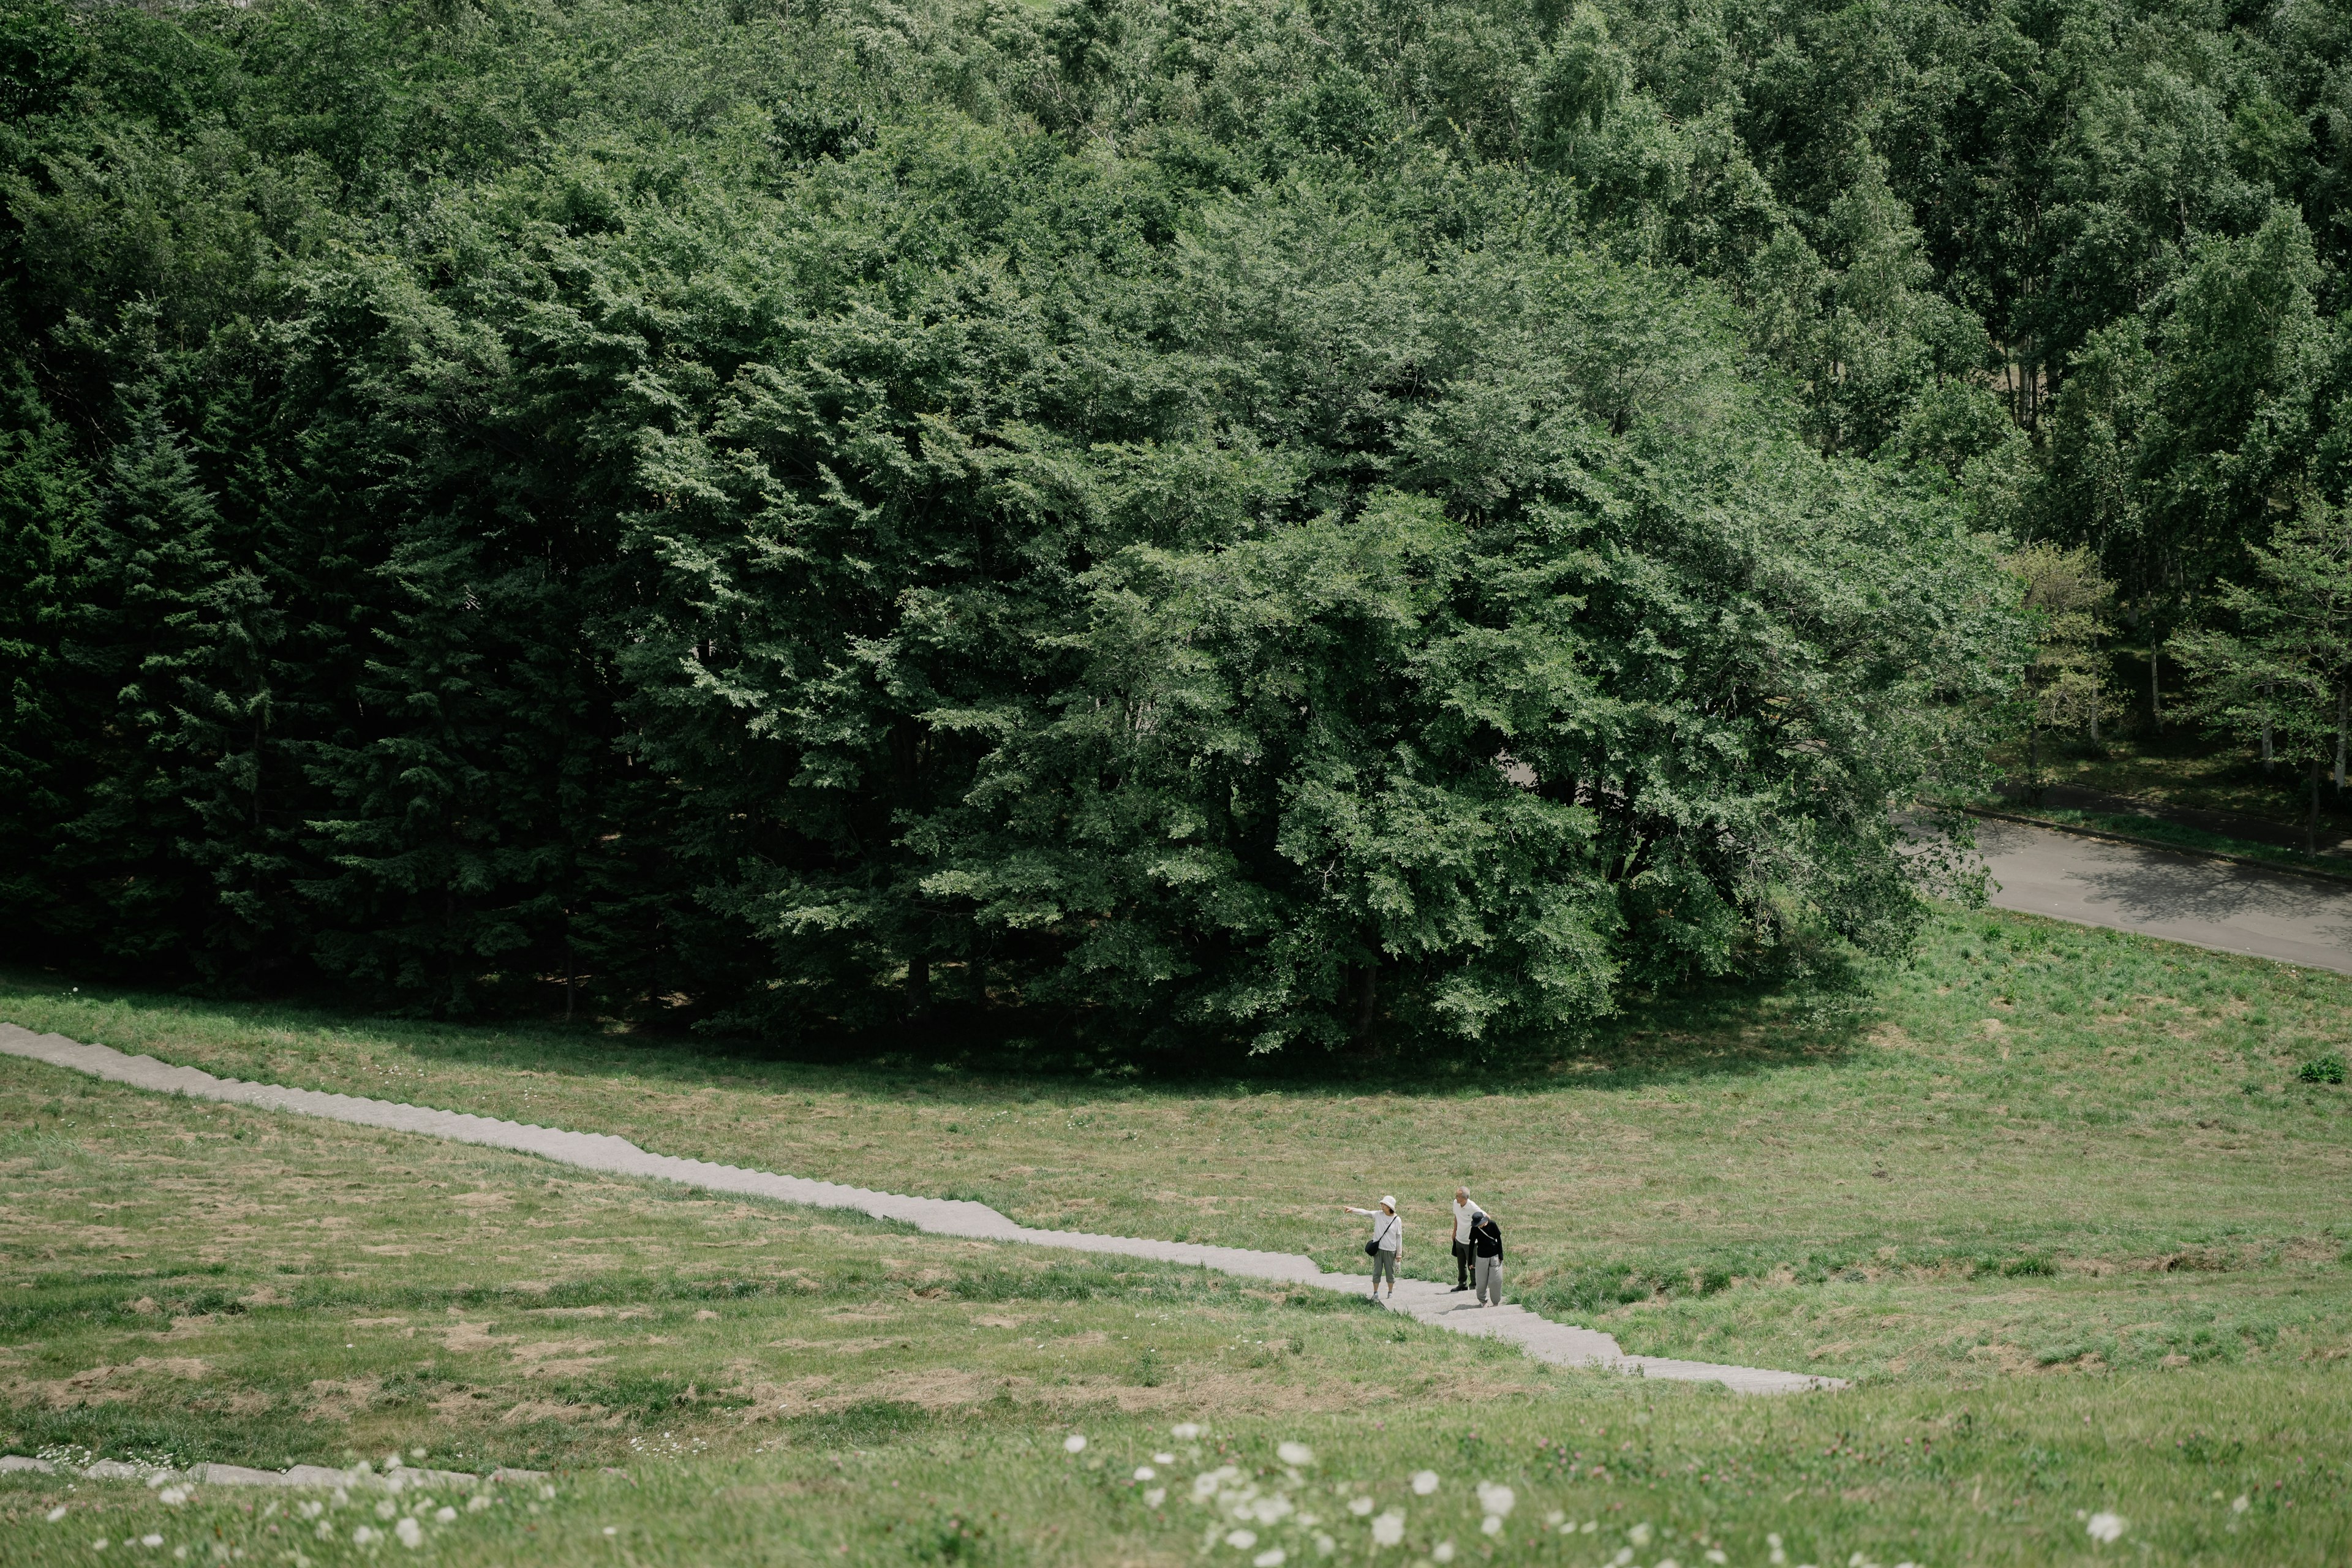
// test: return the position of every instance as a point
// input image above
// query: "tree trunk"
(2341, 693)
(2270, 757)
(2155, 689)
(919, 988)
(1368, 991)
(2034, 756)
(570, 969)
(2311, 824)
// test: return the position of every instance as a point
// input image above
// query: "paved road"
(2182, 897)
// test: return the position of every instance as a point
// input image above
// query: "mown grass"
(2035, 1135)
(190, 1281)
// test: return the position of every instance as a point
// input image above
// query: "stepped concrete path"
(1429, 1303)
(2183, 897)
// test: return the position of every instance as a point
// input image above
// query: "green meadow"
(2059, 1202)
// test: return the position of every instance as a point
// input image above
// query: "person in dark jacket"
(1487, 1259)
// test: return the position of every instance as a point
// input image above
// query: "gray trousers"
(1487, 1272)
(1384, 1262)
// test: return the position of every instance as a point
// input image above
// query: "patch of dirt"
(832, 1347)
(545, 1349)
(998, 1321)
(460, 1338)
(333, 1400)
(478, 1201)
(548, 1410)
(266, 1295)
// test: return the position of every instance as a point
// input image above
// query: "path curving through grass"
(1559, 1343)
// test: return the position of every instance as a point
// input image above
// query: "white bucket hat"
(1388, 1203)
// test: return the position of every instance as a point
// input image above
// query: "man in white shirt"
(1464, 1213)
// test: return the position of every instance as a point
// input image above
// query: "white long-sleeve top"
(1388, 1229)
(1463, 1215)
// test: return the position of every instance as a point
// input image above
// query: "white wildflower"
(1624, 1555)
(1491, 1525)
(1778, 1556)
(1146, 1473)
(56, 1513)
(477, 1502)
(327, 1531)
(1272, 1509)
(612, 1530)
(1076, 1443)
(1185, 1431)
(1155, 1497)
(1389, 1528)
(310, 1509)
(386, 1509)
(1423, 1482)
(547, 1494)
(1640, 1534)
(1294, 1454)
(363, 1534)
(2105, 1527)
(444, 1515)
(1668, 1562)
(1497, 1499)
(151, 1541)
(411, 1533)
(2243, 1504)
(1163, 1459)
(1325, 1545)
(1444, 1551)
(1361, 1506)
(1241, 1540)
(172, 1497)
(1715, 1554)
(99, 1545)
(1273, 1557)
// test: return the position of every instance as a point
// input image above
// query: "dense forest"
(1263, 522)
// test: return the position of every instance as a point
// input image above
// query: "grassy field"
(2057, 1198)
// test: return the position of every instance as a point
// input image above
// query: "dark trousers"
(1460, 1263)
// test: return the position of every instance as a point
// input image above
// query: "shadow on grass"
(1704, 1031)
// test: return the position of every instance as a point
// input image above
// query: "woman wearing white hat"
(1387, 1244)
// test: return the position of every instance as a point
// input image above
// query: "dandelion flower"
(1155, 1497)
(1273, 1557)
(2105, 1527)
(1185, 1431)
(2243, 1504)
(56, 1513)
(1146, 1473)
(1444, 1551)
(1294, 1454)
(1241, 1540)
(1389, 1528)
(1076, 1443)
(411, 1533)
(1491, 1525)
(1361, 1506)
(1497, 1499)
(444, 1515)
(1423, 1482)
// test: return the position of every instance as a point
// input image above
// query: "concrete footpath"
(2178, 895)
(1429, 1303)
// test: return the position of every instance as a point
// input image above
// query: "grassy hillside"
(712, 1380)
